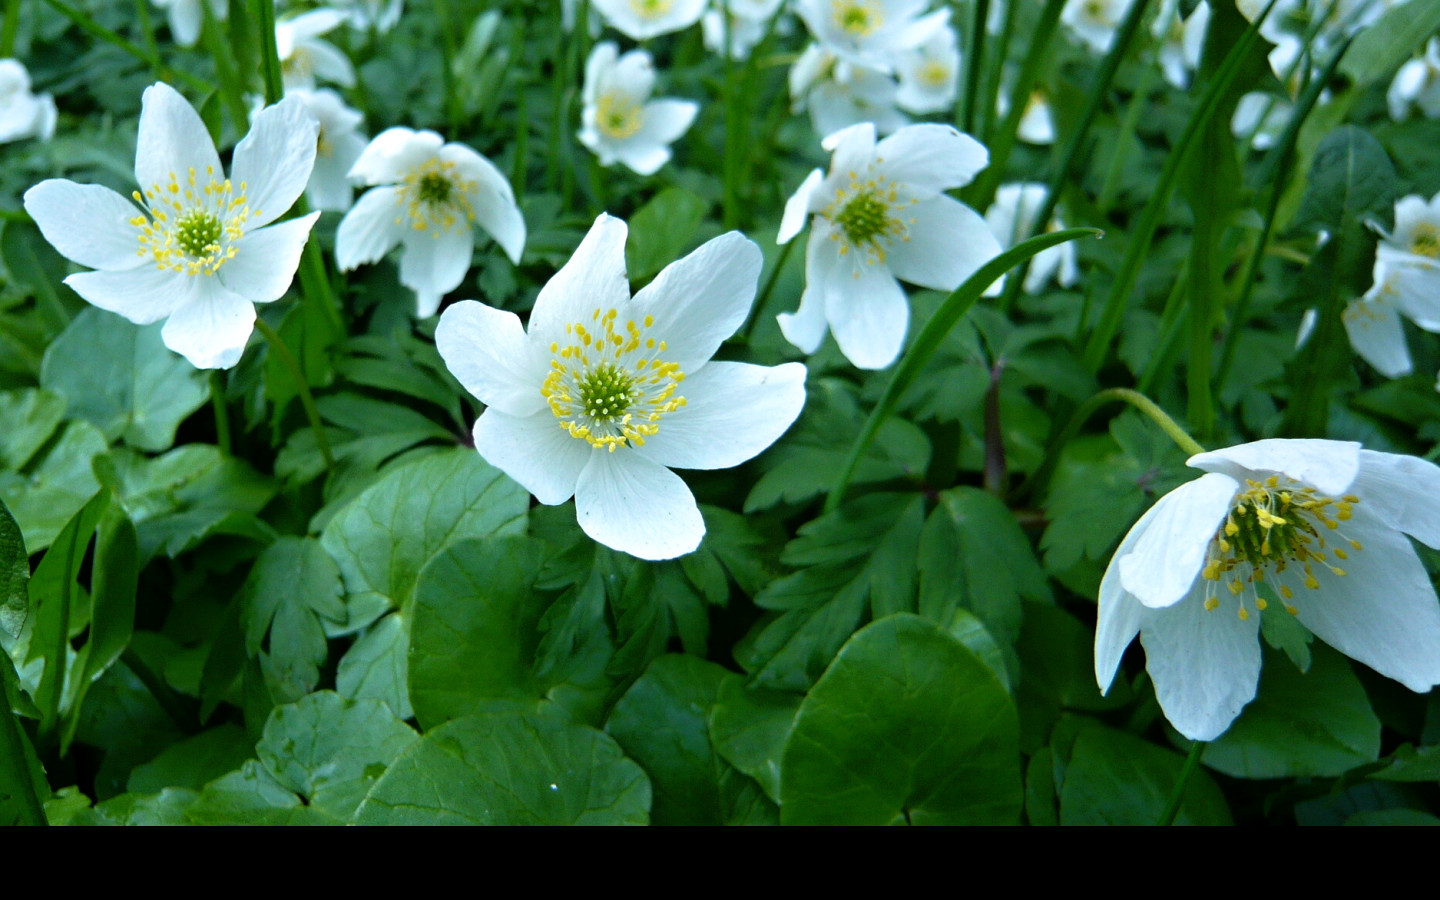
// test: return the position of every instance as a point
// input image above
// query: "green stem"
(994, 75)
(1139, 103)
(764, 296)
(315, 281)
(970, 93)
(1192, 762)
(447, 65)
(928, 341)
(232, 91)
(147, 28)
(263, 11)
(110, 37)
(222, 418)
(14, 758)
(9, 29)
(307, 400)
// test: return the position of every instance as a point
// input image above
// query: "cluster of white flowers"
(1094, 22)
(619, 122)
(872, 61)
(744, 27)
(22, 113)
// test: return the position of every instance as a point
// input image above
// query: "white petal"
(732, 412)
(666, 120)
(633, 505)
(1374, 329)
(1328, 466)
(492, 199)
(435, 261)
(797, 208)
(867, 310)
(1383, 612)
(186, 20)
(947, 242)
(701, 300)
(1167, 559)
(212, 328)
(275, 158)
(1401, 491)
(172, 140)
(393, 152)
(144, 295)
(371, 229)
(309, 25)
(535, 451)
(329, 64)
(931, 157)
(593, 278)
(266, 259)
(1120, 611)
(1205, 664)
(642, 159)
(853, 148)
(487, 351)
(87, 223)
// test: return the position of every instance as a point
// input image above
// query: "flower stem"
(767, 290)
(965, 113)
(307, 400)
(222, 418)
(7, 31)
(110, 37)
(447, 66)
(1192, 762)
(232, 90)
(263, 12)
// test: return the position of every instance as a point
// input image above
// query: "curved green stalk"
(307, 400)
(1192, 762)
(264, 13)
(764, 295)
(929, 338)
(222, 418)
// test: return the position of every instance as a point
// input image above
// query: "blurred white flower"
(606, 393)
(1315, 528)
(619, 121)
(644, 19)
(1260, 117)
(1407, 283)
(338, 147)
(187, 17)
(363, 15)
(430, 196)
(1037, 124)
(882, 214)
(929, 74)
(196, 251)
(23, 114)
(1417, 85)
(839, 94)
(1094, 22)
(1181, 40)
(1011, 218)
(304, 58)
(870, 32)
(748, 21)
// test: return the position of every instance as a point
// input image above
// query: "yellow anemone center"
(858, 17)
(192, 224)
(618, 115)
(651, 9)
(608, 384)
(1425, 240)
(868, 215)
(435, 197)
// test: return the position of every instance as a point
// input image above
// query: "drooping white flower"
(929, 74)
(748, 21)
(1094, 22)
(1417, 85)
(1310, 528)
(839, 94)
(23, 114)
(870, 33)
(305, 58)
(1011, 218)
(336, 150)
(1407, 283)
(187, 17)
(430, 194)
(1181, 40)
(619, 121)
(645, 19)
(882, 214)
(363, 15)
(605, 393)
(195, 248)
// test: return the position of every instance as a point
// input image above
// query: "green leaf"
(309, 333)
(1115, 778)
(750, 726)
(906, 726)
(1057, 673)
(122, 379)
(30, 417)
(475, 628)
(56, 484)
(252, 796)
(1351, 180)
(168, 806)
(374, 666)
(510, 769)
(193, 762)
(1381, 47)
(661, 230)
(22, 780)
(14, 574)
(292, 592)
(662, 723)
(1406, 817)
(1315, 724)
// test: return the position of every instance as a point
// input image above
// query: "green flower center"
(434, 188)
(651, 9)
(867, 217)
(198, 233)
(858, 17)
(1271, 530)
(435, 196)
(1425, 240)
(618, 116)
(608, 384)
(191, 224)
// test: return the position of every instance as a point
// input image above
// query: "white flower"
(606, 393)
(748, 21)
(882, 214)
(870, 32)
(619, 121)
(1310, 528)
(1407, 282)
(1181, 40)
(338, 147)
(839, 94)
(929, 74)
(364, 15)
(644, 19)
(23, 114)
(187, 17)
(1094, 22)
(1417, 84)
(430, 194)
(1261, 117)
(1037, 124)
(195, 251)
(305, 58)
(1011, 218)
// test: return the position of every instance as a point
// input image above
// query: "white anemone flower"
(748, 19)
(1417, 84)
(1094, 22)
(194, 248)
(363, 15)
(304, 58)
(1037, 123)
(644, 19)
(1407, 283)
(1309, 528)
(929, 74)
(23, 114)
(187, 17)
(430, 196)
(619, 122)
(1011, 218)
(1181, 40)
(882, 214)
(336, 150)
(870, 32)
(1261, 117)
(839, 94)
(606, 393)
